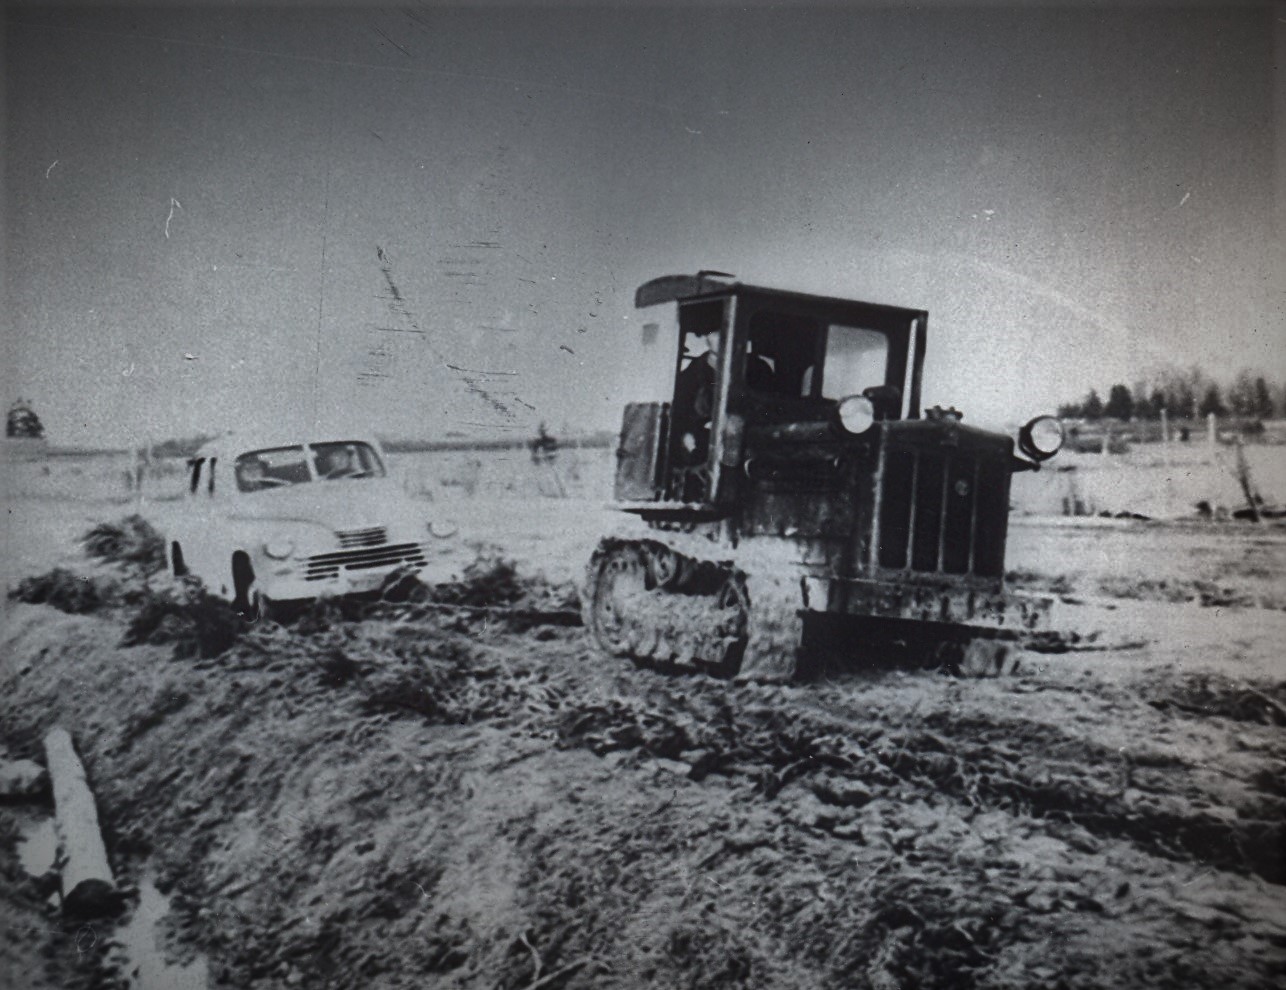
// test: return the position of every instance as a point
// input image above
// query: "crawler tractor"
(799, 505)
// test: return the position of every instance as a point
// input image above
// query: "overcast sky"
(206, 208)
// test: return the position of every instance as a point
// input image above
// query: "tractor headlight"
(442, 529)
(279, 548)
(1042, 438)
(856, 413)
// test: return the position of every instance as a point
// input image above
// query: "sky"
(429, 221)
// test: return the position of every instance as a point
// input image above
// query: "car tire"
(243, 580)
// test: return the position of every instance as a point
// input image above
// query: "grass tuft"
(131, 542)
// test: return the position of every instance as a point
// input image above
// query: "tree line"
(1187, 393)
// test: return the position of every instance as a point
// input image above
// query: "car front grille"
(373, 537)
(323, 566)
(943, 511)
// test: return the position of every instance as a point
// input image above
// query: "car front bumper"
(350, 572)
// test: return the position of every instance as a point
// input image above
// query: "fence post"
(1165, 460)
(1210, 436)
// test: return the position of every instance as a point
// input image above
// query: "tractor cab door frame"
(700, 402)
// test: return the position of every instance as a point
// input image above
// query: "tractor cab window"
(856, 359)
(795, 356)
(700, 324)
(781, 352)
(694, 387)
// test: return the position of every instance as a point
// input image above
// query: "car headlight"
(856, 413)
(1041, 438)
(442, 529)
(279, 548)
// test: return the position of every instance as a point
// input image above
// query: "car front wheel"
(243, 579)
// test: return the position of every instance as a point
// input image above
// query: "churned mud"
(419, 795)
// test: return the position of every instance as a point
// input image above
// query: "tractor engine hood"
(944, 433)
(947, 434)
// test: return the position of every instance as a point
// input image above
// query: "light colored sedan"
(271, 520)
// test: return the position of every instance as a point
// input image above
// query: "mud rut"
(901, 831)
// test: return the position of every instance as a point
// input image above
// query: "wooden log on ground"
(88, 887)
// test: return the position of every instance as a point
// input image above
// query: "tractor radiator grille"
(373, 537)
(943, 512)
(327, 565)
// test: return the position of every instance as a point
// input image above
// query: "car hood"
(336, 505)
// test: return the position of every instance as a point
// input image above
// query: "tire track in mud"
(1093, 790)
(913, 794)
(795, 791)
(986, 763)
(762, 733)
(773, 736)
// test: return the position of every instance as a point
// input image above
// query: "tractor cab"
(752, 360)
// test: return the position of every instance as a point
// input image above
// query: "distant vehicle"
(22, 421)
(268, 521)
(798, 496)
(24, 435)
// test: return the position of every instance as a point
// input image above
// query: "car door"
(205, 547)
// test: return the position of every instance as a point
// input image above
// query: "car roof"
(234, 444)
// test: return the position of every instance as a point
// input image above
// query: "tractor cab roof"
(712, 284)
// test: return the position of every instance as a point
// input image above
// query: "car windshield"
(282, 467)
(338, 461)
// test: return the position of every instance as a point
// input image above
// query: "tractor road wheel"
(618, 582)
(728, 642)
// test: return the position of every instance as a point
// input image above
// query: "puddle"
(142, 958)
(139, 956)
(37, 844)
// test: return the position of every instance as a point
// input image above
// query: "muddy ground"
(434, 798)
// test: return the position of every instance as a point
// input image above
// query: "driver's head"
(341, 459)
(252, 469)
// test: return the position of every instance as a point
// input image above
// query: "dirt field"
(454, 800)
